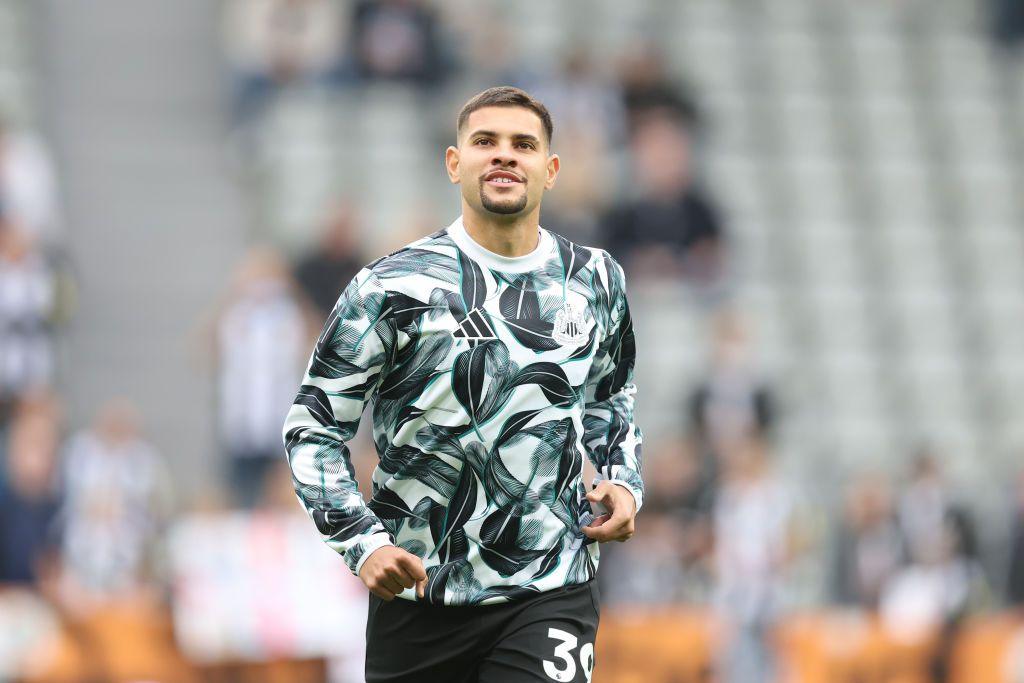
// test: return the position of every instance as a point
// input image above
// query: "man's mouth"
(502, 179)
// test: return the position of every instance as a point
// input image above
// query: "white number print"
(563, 651)
(587, 660)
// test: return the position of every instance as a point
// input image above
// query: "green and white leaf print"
(520, 311)
(481, 415)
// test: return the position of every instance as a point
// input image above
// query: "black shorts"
(547, 637)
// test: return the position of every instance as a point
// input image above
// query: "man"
(671, 229)
(496, 354)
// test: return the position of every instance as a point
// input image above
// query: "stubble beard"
(504, 207)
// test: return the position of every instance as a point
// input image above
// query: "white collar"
(505, 264)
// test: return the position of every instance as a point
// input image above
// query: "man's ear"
(554, 163)
(451, 164)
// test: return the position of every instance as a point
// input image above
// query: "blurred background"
(819, 205)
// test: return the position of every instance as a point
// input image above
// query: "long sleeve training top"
(490, 379)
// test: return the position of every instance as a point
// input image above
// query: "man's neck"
(513, 237)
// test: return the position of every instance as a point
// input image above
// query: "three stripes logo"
(474, 328)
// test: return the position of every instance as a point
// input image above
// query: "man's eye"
(526, 145)
(483, 141)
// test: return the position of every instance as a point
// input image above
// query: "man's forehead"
(506, 121)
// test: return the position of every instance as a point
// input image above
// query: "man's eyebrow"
(518, 136)
(525, 136)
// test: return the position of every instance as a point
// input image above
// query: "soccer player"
(496, 354)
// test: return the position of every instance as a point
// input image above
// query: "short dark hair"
(507, 96)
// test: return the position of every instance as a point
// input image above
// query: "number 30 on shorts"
(565, 670)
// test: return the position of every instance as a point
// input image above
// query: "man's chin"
(503, 207)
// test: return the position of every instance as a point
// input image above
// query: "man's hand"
(389, 570)
(618, 525)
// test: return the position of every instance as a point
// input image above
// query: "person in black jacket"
(672, 229)
(29, 500)
(325, 270)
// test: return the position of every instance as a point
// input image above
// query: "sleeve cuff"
(366, 548)
(638, 496)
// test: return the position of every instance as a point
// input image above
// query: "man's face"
(502, 161)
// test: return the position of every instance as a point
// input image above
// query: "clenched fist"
(389, 570)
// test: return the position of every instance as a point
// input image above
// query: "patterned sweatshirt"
(490, 377)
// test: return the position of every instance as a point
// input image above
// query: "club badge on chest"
(570, 329)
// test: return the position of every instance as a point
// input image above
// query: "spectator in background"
(933, 595)
(1015, 582)
(677, 522)
(944, 581)
(29, 499)
(924, 506)
(868, 548)
(695, 504)
(399, 41)
(671, 230)
(324, 272)
(732, 402)
(27, 301)
(261, 337)
(28, 187)
(647, 88)
(39, 400)
(273, 43)
(117, 502)
(754, 546)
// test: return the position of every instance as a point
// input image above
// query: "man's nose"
(503, 157)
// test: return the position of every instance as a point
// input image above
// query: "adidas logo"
(474, 327)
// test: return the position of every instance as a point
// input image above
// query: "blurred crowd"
(723, 526)
(666, 226)
(86, 510)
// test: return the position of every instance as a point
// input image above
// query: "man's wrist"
(370, 546)
(630, 489)
(638, 497)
